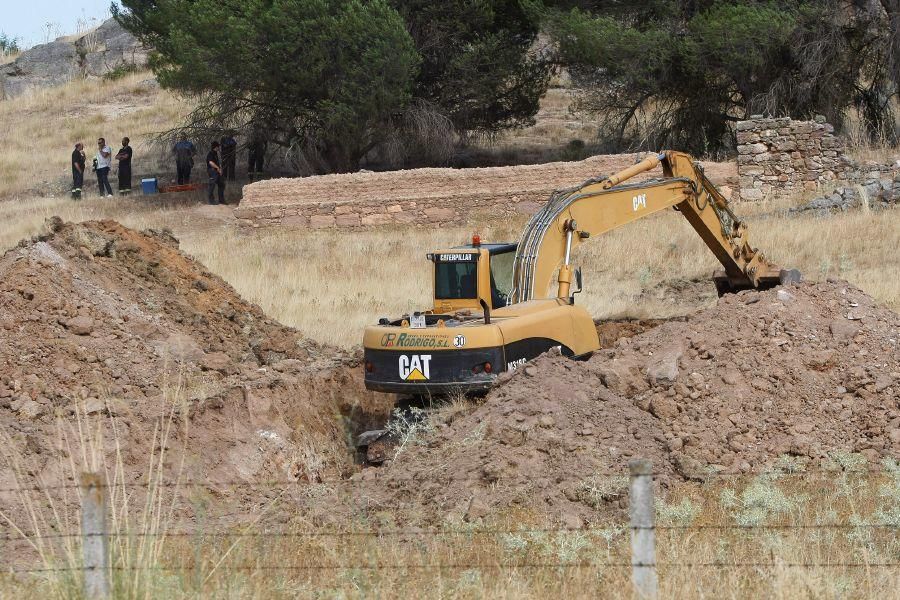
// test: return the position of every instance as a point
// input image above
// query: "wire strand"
(479, 480)
(493, 566)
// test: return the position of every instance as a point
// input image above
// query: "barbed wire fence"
(96, 569)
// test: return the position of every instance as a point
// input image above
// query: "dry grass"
(519, 556)
(331, 284)
(556, 127)
(40, 130)
(42, 519)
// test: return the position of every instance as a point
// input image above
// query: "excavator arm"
(572, 216)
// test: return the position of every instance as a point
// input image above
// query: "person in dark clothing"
(184, 160)
(103, 160)
(256, 153)
(214, 170)
(124, 158)
(229, 156)
(78, 162)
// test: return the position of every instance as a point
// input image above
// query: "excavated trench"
(106, 326)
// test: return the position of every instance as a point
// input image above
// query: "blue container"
(148, 186)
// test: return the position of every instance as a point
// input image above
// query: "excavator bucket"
(785, 277)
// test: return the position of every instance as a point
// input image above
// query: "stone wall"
(782, 157)
(425, 197)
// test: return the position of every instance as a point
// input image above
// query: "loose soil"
(803, 371)
(610, 332)
(103, 326)
(100, 321)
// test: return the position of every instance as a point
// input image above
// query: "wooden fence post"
(642, 513)
(94, 542)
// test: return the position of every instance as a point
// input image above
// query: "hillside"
(97, 52)
(41, 128)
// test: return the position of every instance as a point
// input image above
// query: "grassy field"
(330, 284)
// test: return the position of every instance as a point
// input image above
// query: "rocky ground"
(94, 53)
(875, 193)
(803, 371)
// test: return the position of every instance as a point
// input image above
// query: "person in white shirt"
(103, 161)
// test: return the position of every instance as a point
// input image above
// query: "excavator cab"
(467, 276)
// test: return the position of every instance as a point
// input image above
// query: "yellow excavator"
(496, 306)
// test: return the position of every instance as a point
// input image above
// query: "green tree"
(678, 73)
(322, 78)
(337, 80)
(480, 66)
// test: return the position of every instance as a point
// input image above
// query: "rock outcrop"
(93, 54)
(874, 193)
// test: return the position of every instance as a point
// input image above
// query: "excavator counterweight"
(496, 306)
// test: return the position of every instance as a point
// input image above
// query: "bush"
(120, 71)
(8, 45)
(672, 73)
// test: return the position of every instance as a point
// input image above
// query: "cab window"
(501, 278)
(455, 280)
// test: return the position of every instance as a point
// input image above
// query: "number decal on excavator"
(638, 202)
(415, 367)
(512, 366)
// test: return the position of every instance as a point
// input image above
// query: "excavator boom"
(572, 216)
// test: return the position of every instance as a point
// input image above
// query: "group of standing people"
(218, 168)
(221, 161)
(102, 165)
(220, 165)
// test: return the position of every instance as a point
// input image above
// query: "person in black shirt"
(229, 156)
(124, 158)
(78, 161)
(214, 170)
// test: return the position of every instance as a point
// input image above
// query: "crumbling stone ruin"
(428, 197)
(779, 158)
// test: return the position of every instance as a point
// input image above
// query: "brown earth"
(610, 332)
(103, 321)
(802, 371)
(97, 320)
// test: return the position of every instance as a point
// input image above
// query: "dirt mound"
(99, 320)
(801, 371)
(610, 332)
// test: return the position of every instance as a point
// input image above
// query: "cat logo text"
(415, 367)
